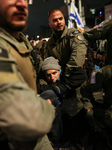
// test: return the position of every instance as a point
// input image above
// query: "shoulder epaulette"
(73, 31)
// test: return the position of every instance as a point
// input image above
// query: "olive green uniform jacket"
(70, 49)
(102, 32)
(23, 115)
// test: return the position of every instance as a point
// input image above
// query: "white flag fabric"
(74, 15)
(70, 24)
(30, 2)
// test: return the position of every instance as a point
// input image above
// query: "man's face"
(57, 21)
(13, 14)
(52, 75)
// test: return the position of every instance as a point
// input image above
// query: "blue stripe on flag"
(75, 17)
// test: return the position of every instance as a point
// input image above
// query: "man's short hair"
(40, 37)
(53, 10)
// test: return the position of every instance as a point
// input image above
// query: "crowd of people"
(55, 94)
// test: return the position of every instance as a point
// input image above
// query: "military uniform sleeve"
(74, 74)
(100, 32)
(23, 115)
(78, 50)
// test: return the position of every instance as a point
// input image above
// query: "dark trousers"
(56, 131)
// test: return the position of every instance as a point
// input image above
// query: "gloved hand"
(61, 89)
(75, 77)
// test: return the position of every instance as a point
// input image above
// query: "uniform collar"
(53, 40)
(10, 39)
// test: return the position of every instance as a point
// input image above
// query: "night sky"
(39, 9)
(96, 2)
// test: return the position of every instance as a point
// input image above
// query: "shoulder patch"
(93, 78)
(80, 37)
(3, 53)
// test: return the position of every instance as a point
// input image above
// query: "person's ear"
(49, 24)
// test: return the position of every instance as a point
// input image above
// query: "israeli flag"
(74, 15)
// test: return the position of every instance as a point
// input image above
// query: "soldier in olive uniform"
(97, 98)
(103, 31)
(25, 118)
(69, 47)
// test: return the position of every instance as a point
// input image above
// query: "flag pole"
(80, 8)
(74, 21)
